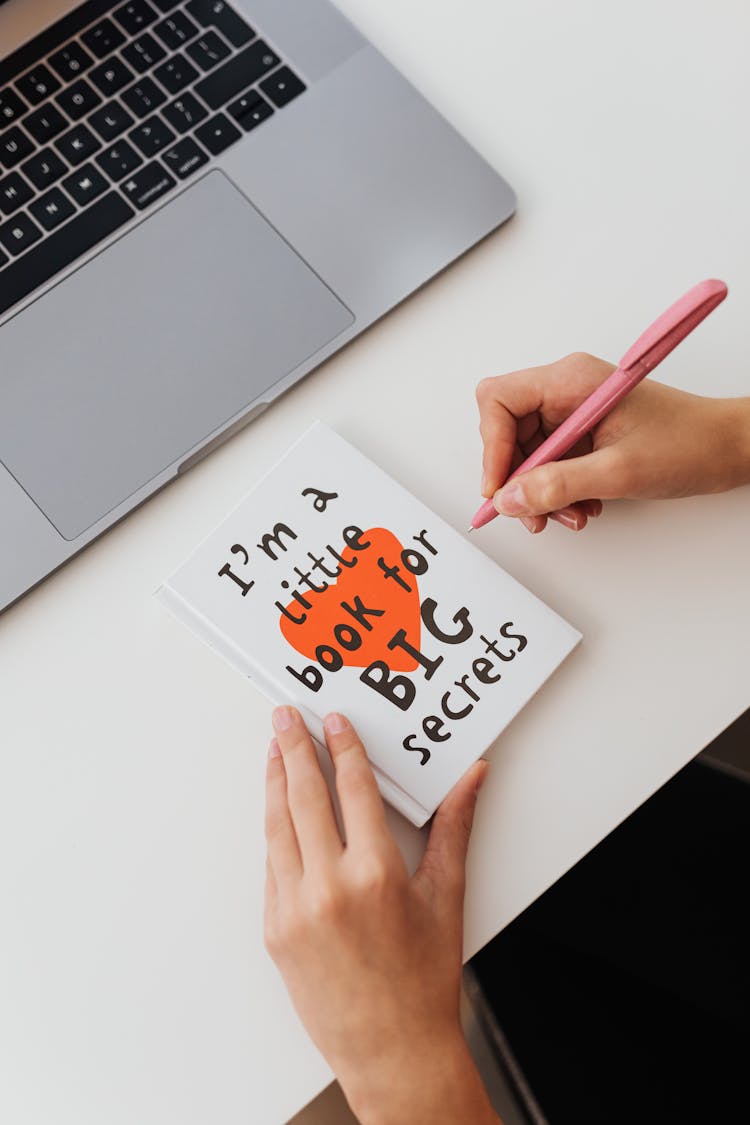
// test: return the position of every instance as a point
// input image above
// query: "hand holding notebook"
(370, 954)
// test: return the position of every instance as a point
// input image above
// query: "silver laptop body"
(222, 285)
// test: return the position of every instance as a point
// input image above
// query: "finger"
(283, 850)
(534, 524)
(270, 909)
(443, 865)
(307, 793)
(503, 401)
(574, 517)
(531, 444)
(270, 896)
(362, 807)
(553, 392)
(271, 889)
(549, 488)
(517, 459)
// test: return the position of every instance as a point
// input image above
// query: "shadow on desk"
(622, 995)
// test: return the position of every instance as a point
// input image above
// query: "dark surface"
(624, 990)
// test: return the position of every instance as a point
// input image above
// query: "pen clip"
(672, 326)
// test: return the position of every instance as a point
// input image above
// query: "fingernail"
(335, 723)
(482, 777)
(511, 501)
(485, 484)
(575, 523)
(529, 523)
(274, 750)
(282, 718)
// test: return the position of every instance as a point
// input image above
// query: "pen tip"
(470, 529)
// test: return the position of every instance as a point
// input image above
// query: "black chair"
(622, 996)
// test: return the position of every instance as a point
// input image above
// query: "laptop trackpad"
(119, 371)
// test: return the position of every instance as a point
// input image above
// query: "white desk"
(133, 983)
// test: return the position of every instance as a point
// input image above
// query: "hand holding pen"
(657, 442)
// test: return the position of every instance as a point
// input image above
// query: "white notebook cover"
(469, 645)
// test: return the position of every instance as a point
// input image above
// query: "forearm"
(439, 1085)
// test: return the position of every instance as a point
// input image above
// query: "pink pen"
(646, 354)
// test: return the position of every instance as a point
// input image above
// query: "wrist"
(432, 1083)
(735, 442)
(740, 421)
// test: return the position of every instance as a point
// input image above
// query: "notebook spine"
(186, 612)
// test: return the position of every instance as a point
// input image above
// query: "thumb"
(443, 865)
(557, 485)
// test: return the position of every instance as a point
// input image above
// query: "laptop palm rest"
(159, 341)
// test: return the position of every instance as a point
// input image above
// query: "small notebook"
(332, 588)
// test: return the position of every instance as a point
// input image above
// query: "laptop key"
(78, 100)
(71, 61)
(119, 160)
(85, 185)
(176, 30)
(38, 84)
(14, 147)
(208, 51)
(184, 157)
(52, 209)
(111, 75)
(14, 192)
(11, 106)
(250, 110)
(214, 13)
(218, 134)
(18, 234)
(62, 248)
(165, 5)
(143, 53)
(176, 73)
(45, 123)
(111, 120)
(103, 38)
(184, 113)
(147, 185)
(282, 86)
(237, 74)
(77, 145)
(4, 259)
(134, 16)
(144, 97)
(151, 136)
(44, 169)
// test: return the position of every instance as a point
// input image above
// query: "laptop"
(199, 203)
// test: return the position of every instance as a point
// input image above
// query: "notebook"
(332, 588)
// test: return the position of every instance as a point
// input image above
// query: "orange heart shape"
(366, 581)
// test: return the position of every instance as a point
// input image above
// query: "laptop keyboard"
(110, 112)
